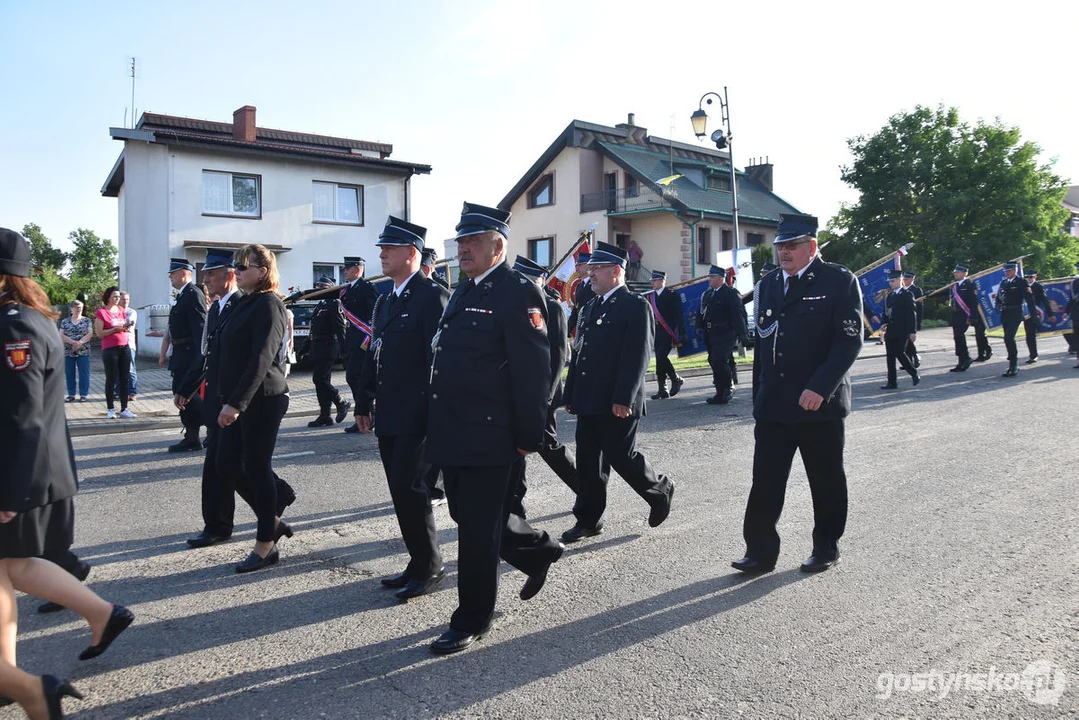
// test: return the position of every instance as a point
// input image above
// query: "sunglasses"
(241, 266)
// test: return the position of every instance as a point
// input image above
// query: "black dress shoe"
(1032, 360)
(254, 562)
(185, 445)
(661, 395)
(283, 530)
(889, 386)
(958, 368)
(677, 385)
(417, 587)
(119, 620)
(749, 565)
(321, 421)
(55, 690)
(206, 539)
(578, 532)
(352, 429)
(659, 513)
(454, 641)
(818, 563)
(342, 411)
(50, 607)
(396, 582)
(1012, 371)
(726, 397)
(535, 582)
(714, 400)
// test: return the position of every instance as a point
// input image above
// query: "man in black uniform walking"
(554, 453)
(395, 380)
(327, 332)
(605, 390)
(187, 319)
(427, 265)
(489, 386)
(724, 325)
(1012, 295)
(670, 333)
(1072, 308)
(900, 329)
(357, 303)
(583, 292)
(965, 314)
(1039, 310)
(809, 333)
(218, 499)
(919, 311)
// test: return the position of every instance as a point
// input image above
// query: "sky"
(479, 89)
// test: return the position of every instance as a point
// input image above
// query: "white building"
(610, 176)
(186, 185)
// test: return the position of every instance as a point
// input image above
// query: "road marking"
(292, 455)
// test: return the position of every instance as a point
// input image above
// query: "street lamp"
(700, 129)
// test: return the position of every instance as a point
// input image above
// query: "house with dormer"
(184, 186)
(610, 177)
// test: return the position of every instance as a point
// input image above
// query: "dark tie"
(393, 300)
(790, 283)
(459, 295)
(213, 317)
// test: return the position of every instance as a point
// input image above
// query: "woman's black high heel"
(55, 689)
(119, 620)
(283, 530)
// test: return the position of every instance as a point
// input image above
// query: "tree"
(93, 263)
(968, 194)
(42, 252)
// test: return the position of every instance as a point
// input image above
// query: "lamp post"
(700, 129)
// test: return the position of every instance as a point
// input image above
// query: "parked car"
(301, 327)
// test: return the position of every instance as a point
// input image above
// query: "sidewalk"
(154, 407)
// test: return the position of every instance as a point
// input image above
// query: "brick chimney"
(243, 124)
(760, 172)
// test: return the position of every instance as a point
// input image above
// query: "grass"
(699, 360)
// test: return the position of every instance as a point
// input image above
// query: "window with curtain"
(333, 202)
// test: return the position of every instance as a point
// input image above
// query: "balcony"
(624, 200)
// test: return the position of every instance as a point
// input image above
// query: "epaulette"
(837, 266)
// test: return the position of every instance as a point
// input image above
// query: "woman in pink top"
(111, 324)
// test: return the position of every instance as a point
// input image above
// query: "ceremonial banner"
(690, 293)
(564, 279)
(873, 280)
(1057, 294)
(988, 284)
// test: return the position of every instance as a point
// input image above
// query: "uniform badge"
(768, 312)
(18, 354)
(852, 327)
(535, 316)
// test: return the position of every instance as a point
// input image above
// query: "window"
(704, 243)
(632, 189)
(727, 240)
(540, 250)
(337, 203)
(542, 193)
(715, 181)
(754, 239)
(318, 270)
(230, 194)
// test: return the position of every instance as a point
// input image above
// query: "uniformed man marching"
(395, 381)
(1040, 311)
(724, 325)
(187, 319)
(964, 299)
(1012, 295)
(490, 381)
(554, 453)
(670, 333)
(809, 333)
(583, 292)
(900, 329)
(605, 390)
(357, 303)
(327, 333)
(1072, 308)
(919, 311)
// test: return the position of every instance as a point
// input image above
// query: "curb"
(87, 428)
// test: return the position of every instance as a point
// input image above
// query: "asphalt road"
(960, 557)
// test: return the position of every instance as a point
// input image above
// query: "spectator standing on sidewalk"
(77, 331)
(111, 325)
(133, 318)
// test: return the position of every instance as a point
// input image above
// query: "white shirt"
(223, 300)
(477, 280)
(610, 292)
(398, 289)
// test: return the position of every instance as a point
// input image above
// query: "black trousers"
(244, 453)
(322, 375)
(479, 502)
(959, 336)
(353, 369)
(1070, 339)
(897, 350)
(603, 442)
(402, 459)
(1031, 326)
(821, 446)
(1011, 319)
(664, 367)
(555, 454)
(117, 362)
(911, 351)
(720, 349)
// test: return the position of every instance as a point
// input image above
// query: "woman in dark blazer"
(37, 482)
(254, 396)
